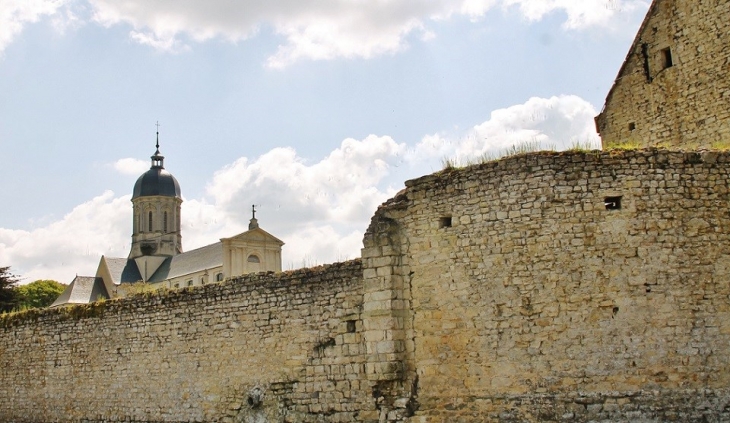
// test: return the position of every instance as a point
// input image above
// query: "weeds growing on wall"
(625, 145)
(527, 147)
(720, 145)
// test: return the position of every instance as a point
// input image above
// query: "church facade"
(156, 256)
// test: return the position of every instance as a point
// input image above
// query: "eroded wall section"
(566, 287)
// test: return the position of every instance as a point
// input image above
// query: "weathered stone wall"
(684, 105)
(531, 301)
(194, 355)
(506, 291)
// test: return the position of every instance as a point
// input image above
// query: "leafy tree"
(40, 293)
(8, 294)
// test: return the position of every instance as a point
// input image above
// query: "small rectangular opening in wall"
(445, 222)
(351, 327)
(667, 61)
(612, 203)
(632, 126)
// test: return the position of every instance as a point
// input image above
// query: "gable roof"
(122, 270)
(189, 262)
(83, 290)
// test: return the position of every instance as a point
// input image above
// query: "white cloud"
(73, 244)
(319, 208)
(338, 193)
(580, 14)
(313, 30)
(15, 14)
(130, 166)
(557, 123)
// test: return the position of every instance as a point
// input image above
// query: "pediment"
(257, 235)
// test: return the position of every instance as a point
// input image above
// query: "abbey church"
(156, 256)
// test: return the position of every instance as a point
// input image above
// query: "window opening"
(667, 61)
(190, 282)
(253, 259)
(149, 221)
(219, 277)
(351, 326)
(164, 222)
(632, 126)
(445, 222)
(612, 203)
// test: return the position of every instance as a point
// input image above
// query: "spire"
(158, 159)
(253, 224)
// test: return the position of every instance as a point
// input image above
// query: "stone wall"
(201, 354)
(673, 90)
(567, 287)
(548, 287)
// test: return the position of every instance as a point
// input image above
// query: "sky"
(316, 111)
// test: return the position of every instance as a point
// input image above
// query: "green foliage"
(626, 145)
(130, 289)
(721, 145)
(8, 294)
(524, 147)
(39, 294)
(584, 146)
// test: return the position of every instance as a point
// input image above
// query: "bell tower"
(156, 204)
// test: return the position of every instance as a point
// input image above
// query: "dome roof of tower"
(156, 181)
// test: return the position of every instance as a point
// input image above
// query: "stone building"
(673, 88)
(156, 255)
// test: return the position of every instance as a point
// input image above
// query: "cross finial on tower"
(157, 124)
(253, 224)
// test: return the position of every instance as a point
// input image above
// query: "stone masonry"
(549, 287)
(673, 89)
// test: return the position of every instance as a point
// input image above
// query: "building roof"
(189, 262)
(83, 290)
(156, 181)
(122, 270)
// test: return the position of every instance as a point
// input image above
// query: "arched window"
(253, 259)
(164, 222)
(149, 221)
(219, 277)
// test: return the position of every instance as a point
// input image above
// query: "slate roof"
(123, 270)
(190, 262)
(83, 290)
(156, 181)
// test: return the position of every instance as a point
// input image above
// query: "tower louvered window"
(149, 221)
(164, 223)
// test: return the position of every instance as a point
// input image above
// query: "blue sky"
(316, 111)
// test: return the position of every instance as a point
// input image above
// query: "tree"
(8, 294)
(38, 294)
